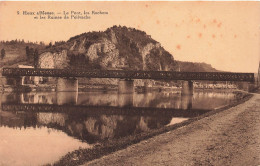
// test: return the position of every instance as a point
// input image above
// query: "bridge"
(67, 78)
(156, 75)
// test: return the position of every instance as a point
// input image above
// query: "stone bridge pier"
(67, 84)
(125, 99)
(64, 98)
(147, 86)
(186, 102)
(187, 88)
(125, 86)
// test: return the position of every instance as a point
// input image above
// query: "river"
(45, 131)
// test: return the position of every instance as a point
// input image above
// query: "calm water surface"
(40, 137)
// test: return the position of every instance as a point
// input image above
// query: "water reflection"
(90, 129)
(113, 115)
(186, 101)
(200, 100)
(67, 98)
(125, 100)
(92, 117)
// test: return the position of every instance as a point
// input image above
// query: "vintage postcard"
(129, 83)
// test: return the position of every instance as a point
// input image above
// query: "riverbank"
(84, 155)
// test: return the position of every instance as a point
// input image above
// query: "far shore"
(103, 88)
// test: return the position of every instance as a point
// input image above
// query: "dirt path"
(231, 137)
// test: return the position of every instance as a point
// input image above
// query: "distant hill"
(196, 67)
(15, 47)
(15, 51)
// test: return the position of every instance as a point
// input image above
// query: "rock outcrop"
(117, 48)
(105, 51)
(58, 60)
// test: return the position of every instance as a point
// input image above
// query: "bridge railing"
(162, 75)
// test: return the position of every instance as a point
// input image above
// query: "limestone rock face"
(144, 51)
(93, 51)
(81, 46)
(113, 37)
(73, 46)
(104, 51)
(118, 48)
(50, 60)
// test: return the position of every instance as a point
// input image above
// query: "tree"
(31, 53)
(36, 57)
(49, 46)
(27, 51)
(2, 53)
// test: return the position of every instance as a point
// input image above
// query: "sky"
(223, 34)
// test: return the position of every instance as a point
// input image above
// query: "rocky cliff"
(50, 60)
(116, 48)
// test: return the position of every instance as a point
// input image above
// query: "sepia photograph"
(129, 83)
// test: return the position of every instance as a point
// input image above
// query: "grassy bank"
(84, 155)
